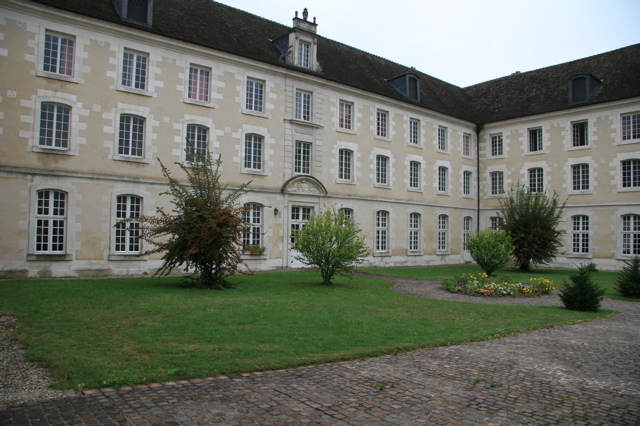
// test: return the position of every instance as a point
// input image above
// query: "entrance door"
(299, 216)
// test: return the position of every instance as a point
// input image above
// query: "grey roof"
(217, 26)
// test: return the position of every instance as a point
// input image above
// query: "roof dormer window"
(408, 85)
(582, 87)
(304, 49)
(299, 46)
(138, 11)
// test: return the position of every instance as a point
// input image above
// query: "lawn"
(116, 332)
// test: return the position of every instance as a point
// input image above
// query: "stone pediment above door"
(307, 185)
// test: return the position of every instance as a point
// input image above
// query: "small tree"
(582, 294)
(490, 249)
(205, 229)
(628, 282)
(331, 241)
(531, 219)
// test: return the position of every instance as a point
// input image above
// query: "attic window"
(407, 85)
(139, 11)
(582, 87)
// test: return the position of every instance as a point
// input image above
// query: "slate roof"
(217, 26)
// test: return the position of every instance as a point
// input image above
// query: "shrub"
(628, 282)
(490, 249)
(582, 294)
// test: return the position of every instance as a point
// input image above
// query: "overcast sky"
(465, 42)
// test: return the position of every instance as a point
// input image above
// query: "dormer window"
(299, 46)
(582, 87)
(138, 11)
(408, 85)
(303, 54)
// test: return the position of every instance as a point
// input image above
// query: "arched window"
(631, 234)
(443, 232)
(127, 234)
(50, 222)
(414, 231)
(382, 231)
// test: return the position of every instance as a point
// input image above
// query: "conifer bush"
(582, 294)
(628, 282)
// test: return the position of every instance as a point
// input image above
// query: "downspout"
(479, 128)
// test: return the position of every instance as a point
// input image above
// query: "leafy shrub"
(483, 285)
(490, 249)
(628, 282)
(582, 294)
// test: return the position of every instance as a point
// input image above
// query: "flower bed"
(483, 285)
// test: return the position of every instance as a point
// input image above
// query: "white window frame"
(467, 183)
(345, 165)
(55, 70)
(129, 137)
(254, 218)
(442, 246)
(253, 153)
(303, 105)
(443, 139)
(630, 235)
(345, 116)
(382, 124)
(415, 175)
(126, 239)
(535, 141)
(535, 179)
(134, 75)
(467, 145)
(49, 218)
(415, 138)
(580, 181)
(580, 239)
(199, 84)
(415, 230)
(496, 145)
(496, 183)
(467, 230)
(199, 136)
(580, 134)
(304, 54)
(630, 127)
(303, 155)
(494, 223)
(382, 170)
(443, 180)
(58, 130)
(381, 246)
(630, 174)
(254, 96)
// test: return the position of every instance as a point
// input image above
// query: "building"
(94, 93)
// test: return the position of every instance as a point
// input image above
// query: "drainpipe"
(478, 130)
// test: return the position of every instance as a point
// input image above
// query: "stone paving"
(583, 374)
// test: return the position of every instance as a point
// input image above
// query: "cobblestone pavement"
(586, 373)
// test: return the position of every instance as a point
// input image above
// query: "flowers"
(483, 285)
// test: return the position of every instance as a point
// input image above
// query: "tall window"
(497, 147)
(442, 138)
(58, 54)
(536, 179)
(303, 158)
(131, 136)
(304, 50)
(382, 118)
(345, 115)
(631, 234)
(255, 96)
(580, 234)
(348, 213)
(345, 164)
(134, 70)
(51, 220)
(466, 183)
(466, 144)
(382, 170)
(631, 173)
(54, 126)
(580, 177)
(443, 229)
(303, 106)
(414, 232)
(199, 83)
(494, 223)
(253, 218)
(414, 131)
(497, 183)
(127, 235)
(630, 127)
(580, 133)
(414, 174)
(443, 173)
(467, 228)
(535, 140)
(382, 230)
(253, 152)
(197, 142)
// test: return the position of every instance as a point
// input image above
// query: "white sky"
(465, 42)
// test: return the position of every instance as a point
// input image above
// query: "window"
(631, 173)
(382, 229)
(414, 175)
(494, 223)
(382, 170)
(253, 218)
(348, 213)
(580, 133)
(631, 234)
(345, 164)
(197, 143)
(303, 158)
(536, 180)
(466, 144)
(414, 232)
(299, 217)
(303, 106)
(580, 234)
(580, 177)
(51, 220)
(413, 88)
(382, 118)
(414, 131)
(54, 126)
(131, 136)
(443, 227)
(630, 127)
(304, 50)
(535, 140)
(139, 11)
(199, 83)
(467, 228)
(127, 234)
(255, 96)
(253, 152)
(497, 183)
(345, 114)
(497, 147)
(443, 185)
(582, 87)
(58, 54)
(442, 138)
(466, 182)
(134, 70)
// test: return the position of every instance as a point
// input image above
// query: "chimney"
(304, 23)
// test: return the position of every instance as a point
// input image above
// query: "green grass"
(116, 332)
